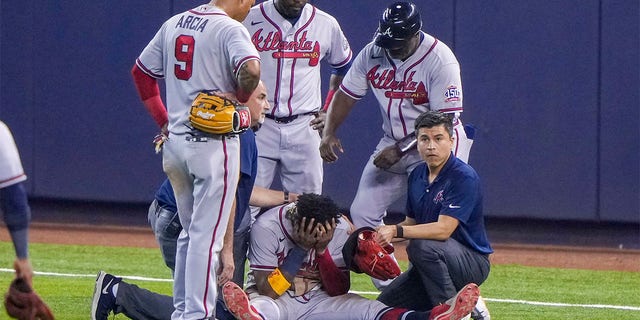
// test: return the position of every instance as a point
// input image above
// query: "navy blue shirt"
(248, 171)
(165, 197)
(455, 192)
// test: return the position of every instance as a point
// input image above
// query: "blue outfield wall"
(553, 91)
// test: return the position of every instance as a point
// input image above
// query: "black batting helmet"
(399, 22)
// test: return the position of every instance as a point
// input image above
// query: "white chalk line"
(370, 293)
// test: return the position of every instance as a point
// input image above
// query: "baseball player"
(14, 203)
(138, 303)
(298, 272)
(202, 49)
(409, 72)
(448, 242)
(292, 38)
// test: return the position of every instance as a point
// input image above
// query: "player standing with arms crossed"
(202, 49)
(409, 72)
(292, 37)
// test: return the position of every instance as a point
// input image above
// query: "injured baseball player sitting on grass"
(298, 271)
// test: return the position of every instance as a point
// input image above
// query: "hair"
(319, 207)
(430, 119)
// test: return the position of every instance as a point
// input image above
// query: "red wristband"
(327, 101)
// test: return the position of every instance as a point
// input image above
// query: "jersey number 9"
(184, 55)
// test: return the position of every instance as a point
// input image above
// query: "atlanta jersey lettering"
(428, 80)
(291, 55)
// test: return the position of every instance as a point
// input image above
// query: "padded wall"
(553, 91)
(531, 88)
(619, 141)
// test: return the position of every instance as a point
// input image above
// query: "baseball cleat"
(103, 299)
(458, 307)
(238, 303)
(480, 312)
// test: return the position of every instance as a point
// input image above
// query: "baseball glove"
(22, 303)
(213, 113)
(362, 254)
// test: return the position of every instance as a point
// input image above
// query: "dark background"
(552, 86)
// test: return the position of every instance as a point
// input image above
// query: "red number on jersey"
(184, 55)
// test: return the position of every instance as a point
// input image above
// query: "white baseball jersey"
(428, 80)
(11, 171)
(201, 49)
(290, 55)
(270, 243)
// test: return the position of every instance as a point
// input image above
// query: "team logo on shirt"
(439, 197)
(405, 89)
(300, 49)
(452, 94)
(244, 118)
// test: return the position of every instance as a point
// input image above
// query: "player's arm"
(334, 281)
(149, 92)
(339, 109)
(392, 154)
(226, 255)
(334, 83)
(17, 217)
(266, 198)
(248, 77)
(277, 282)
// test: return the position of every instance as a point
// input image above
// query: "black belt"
(288, 119)
(200, 136)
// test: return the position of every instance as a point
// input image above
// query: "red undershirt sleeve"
(149, 92)
(334, 281)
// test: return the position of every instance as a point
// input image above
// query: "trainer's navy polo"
(455, 192)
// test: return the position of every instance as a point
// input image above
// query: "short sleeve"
(262, 249)
(340, 52)
(355, 83)
(151, 60)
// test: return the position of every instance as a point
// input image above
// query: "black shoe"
(103, 299)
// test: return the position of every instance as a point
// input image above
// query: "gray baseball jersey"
(200, 49)
(270, 243)
(427, 80)
(290, 56)
(11, 171)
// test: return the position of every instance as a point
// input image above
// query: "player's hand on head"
(328, 144)
(318, 122)
(324, 234)
(387, 157)
(304, 234)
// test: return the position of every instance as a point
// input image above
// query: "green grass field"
(66, 277)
